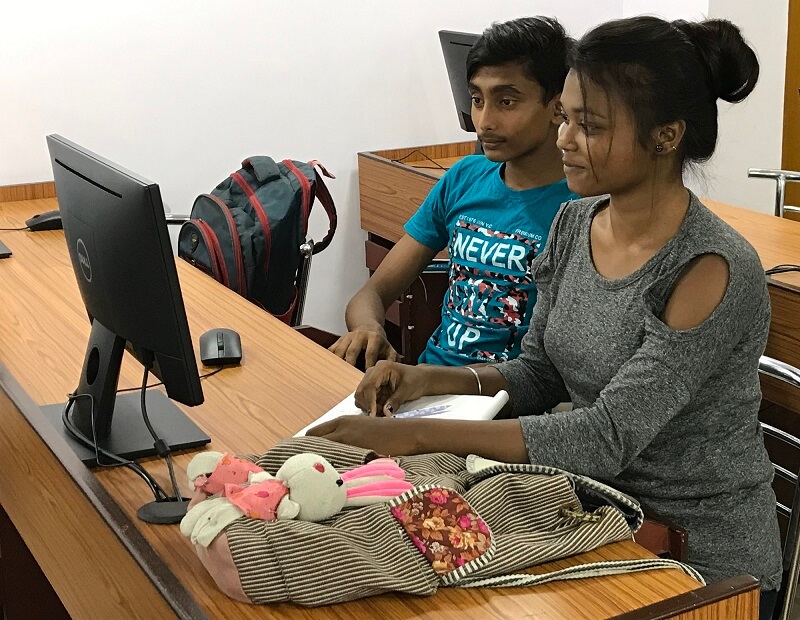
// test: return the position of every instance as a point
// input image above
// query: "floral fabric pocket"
(445, 529)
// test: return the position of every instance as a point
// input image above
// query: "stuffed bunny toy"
(306, 487)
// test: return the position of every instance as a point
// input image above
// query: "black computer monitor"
(455, 46)
(117, 237)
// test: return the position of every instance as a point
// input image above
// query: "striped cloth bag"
(466, 523)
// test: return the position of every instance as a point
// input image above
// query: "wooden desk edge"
(162, 578)
(694, 599)
(428, 152)
(771, 281)
(399, 165)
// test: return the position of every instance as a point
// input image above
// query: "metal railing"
(791, 548)
(781, 177)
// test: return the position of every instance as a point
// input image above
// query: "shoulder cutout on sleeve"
(697, 292)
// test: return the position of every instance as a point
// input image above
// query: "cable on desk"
(161, 446)
(433, 161)
(10, 229)
(152, 385)
(116, 461)
(782, 269)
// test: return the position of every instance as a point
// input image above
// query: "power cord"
(435, 163)
(11, 229)
(152, 385)
(111, 459)
(162, 447)
(782, 269)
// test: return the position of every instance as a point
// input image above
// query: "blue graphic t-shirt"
(493, 233)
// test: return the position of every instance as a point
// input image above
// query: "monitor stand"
(129, 437)
(98, 404)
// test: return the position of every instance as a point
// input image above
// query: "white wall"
(751, 132)
(668, 9)
(181, 91)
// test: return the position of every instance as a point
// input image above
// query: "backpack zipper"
(261, 214)
(218, 267)
(237, 245)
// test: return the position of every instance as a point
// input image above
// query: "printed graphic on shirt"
(490, 287)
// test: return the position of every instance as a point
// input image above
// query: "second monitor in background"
(455, 47)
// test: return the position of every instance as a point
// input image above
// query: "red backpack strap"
(305, 187)
(314, 163)
(324, 197)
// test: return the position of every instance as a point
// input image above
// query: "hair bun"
(732, 64)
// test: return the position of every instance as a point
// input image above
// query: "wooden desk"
(104, 563)
(393, 183)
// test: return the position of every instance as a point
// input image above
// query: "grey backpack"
(249, 232)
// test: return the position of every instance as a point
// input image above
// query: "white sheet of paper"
(460, 407)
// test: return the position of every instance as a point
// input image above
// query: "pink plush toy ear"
(377, 468)
(379, 491)
(374, 482)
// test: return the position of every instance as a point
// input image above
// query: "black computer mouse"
(220, 347)
(49, 220)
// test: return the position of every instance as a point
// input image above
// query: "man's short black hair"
(540, 43)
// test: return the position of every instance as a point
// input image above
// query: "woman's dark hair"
(539, 43)
(668, 71)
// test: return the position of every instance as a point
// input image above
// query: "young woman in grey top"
(652, 312)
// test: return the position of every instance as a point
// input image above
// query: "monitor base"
(163, 512)
(129, 437)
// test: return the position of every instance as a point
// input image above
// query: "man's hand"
(366, 311)
(371, 340)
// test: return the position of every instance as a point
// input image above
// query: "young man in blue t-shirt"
(492, 212)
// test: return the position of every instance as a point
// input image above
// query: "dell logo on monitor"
(83, 259)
